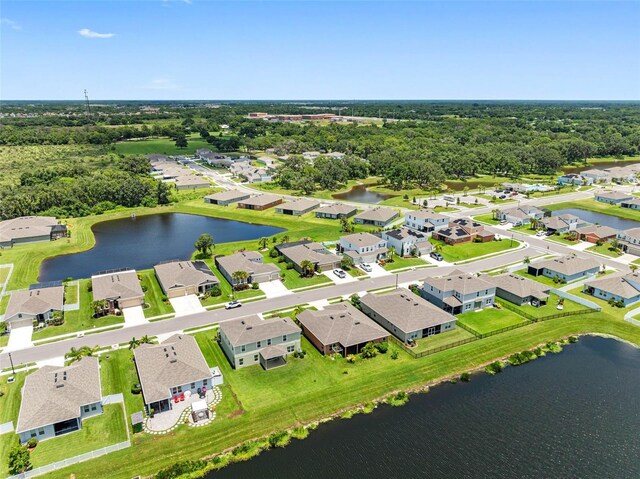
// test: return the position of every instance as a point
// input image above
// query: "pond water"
(600, 165)
(599, 218)
(145, 241)
(575, 414)
(361, 194)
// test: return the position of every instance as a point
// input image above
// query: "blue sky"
(176, 49)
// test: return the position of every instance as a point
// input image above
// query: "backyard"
(442, 339)
(490, 319)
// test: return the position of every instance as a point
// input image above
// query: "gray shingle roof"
(121, 285)
(176, 274)
(406, 311)
(54, 394)
(362, 239)
(174, 362)
(337, 209)
(35, 301)
(314, 252)
(519, 286)
(627, 286)
(567, 265)
(459, 281)
(614, 195)
(341, 323)
(300, 204)
(245, 261)
(251, 329)
(26, 226)
(260, 200)
(227, 195)
(379, 213)
(427, 215)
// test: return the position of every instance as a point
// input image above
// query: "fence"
(38, 471)
(536, 319)
(427, 352)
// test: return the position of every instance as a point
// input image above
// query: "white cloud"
(162, 84)
(10, 23)
(85, 32)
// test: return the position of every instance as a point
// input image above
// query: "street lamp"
(11, 361)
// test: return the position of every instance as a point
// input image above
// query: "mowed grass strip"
(490, 319)
(466, 251)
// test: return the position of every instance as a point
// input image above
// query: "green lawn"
(526, 229)
(71, 293)
(490, 319)
(79, 320)
(550, 308)
(466, 251)
(605, 249)
(497, 201)
(442, 339)
(227, 292)
(563, 238)
(153, 295)
(488, 218)
(164, 146)
(9, 409)
(399, 263)
(99, 431)
(4, 274)
(355, 272)
(598, 207)
(117, 375)
(4, 301)
(540, 279)
(444, 209)
(292, 279)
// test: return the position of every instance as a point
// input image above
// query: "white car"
(233, 304)
(339, 273)
(541, 233)
(366, 267)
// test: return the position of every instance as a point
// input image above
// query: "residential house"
(459, 292)
(595, 233)
(214, 159)
(180, 278)
(120, 289)
(622, 174)
(252, 174)
(191, 182)
(630, 241)
(363, 247)
(574, 179)
(632, 204)
(520, 215)
(613, 197)
(260, 202)
(425, 220)
(462, 230)
(597, 176)
(249, 341)
(251, 263)
(267, 161)
(621, 289)
(336, 211)
(30, 229)
(562, 223)
(525, 187)
(340, 329)
(39, 304)
(170, 369)
(519, 290)
(407, 242)
(55, 400)
(406, 315)
(567, 268)
(378, 216)
(225, 198)
(297, 207)
(316, 253)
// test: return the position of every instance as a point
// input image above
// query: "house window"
(86, 409)
(179, 389)
(259, 344)
(290, 349)
(174, 390)
(268, 342)
(33, 434)
(94, 407)
(255, 357)
(41, 431)
(205, 382)
(284, 338)
(243, 348)
(193, 385)
(241, 361)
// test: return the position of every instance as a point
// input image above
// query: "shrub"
(394, 354)
(19, 459)
(273, 253)
(136, 389)
(31, 443)
(465, 377)
(255, 286)
(573, 339)
(398, 399)
(495, 367)
(299, 354)
(355, 301)
(351, 358)
(289, 265)
(279, 439)
(382, 347)
(180, 468)
(369, 351)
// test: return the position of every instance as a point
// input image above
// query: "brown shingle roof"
(567, 265)
(174, 362)
(251, 329)
(121, 285)
(379, 213)
(35, 301)
(260, 200)
(301, 204)
(245, 261)
(183, 273)
(337, 209)
(314, 252)
(228, 195)
(459, 281)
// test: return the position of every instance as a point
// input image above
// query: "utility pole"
(11, 361)
(86, 104)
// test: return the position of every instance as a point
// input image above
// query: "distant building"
(260, 202)
(597, 176)
(462, 230)
(632, 204)
(30, 229)
(378, 216)
(298, 207)
(191, 182)
(613, 197)
(336, 211)
(225, 198)
(574, 180)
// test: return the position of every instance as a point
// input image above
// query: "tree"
(181, 141)
(134, 343)
(355, 300)
(19, 459)
(145, 340)
(204, 244)
(346, 226)
(263, 242)
(74, 355)
(495, 212)
(99, 306)
(307, 267)
(284, 239)
(392, 251)
(526, 260)
(239, 277)
(346, 262)
(633, 267)
(438, 248)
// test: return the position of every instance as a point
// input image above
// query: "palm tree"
(74, 355)
(633, 267)
(263, 242)
(392, 251)
(526, 260)
(145, 340)
(87, 351)
(284, 239)
(438, 248)
(134, 343)
(495, 212)
(239, 277)
(99, 306)
(307, 267)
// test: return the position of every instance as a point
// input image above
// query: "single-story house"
(620, 174)
(336, 211)
(260, 202)
(305, 250)
(30, 229)
(574, 179)
(630, 241)
(462, 230)
(180, 278)
(191, 182)
(171, 368)
(425, 220)
(562, 223)
(55, 400)
(597, 176)
(632, 204)
(225, 198)
(519, 290)
(406, 315)
(363, 247)
(120, 289)
(250, 262)
(613, 197)
(567, 268)
(378, 216)
(459, 292)
(407, 241)
(34, 304)
(298, 207)
(520, 215)
(340, 328)
(526, 187)
(595, 233)
(625, 289)
(250, 340)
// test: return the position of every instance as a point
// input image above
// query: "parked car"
(503, 222)
(541, 233)
(437, 256)
(366, 267)
(339, 273)
(502, 197)
(233, 304)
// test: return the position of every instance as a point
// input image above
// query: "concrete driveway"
(347, 279)
(134, 316)
(20, 338)
(186, 305)
(377, 271)
(274, 288)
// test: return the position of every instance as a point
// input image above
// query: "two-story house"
(562, 223)
(407, 242)
(250, 340)
(520, 215)
(630, 241)
(462, 230)
(425, 220)
(459, 292)
(363, 247)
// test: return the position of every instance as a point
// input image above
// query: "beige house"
(225, 198)
(191, 182)
(316, 253)
(378, 216)
(30, 229)
(120, 289)
(55, 400)
(36, 304)
(297, 207)
(180, 278)
(250, 262)
(519, 290)
(260, 202)
(336, 211)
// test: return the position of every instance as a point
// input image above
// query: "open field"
(598, 207)
(165, 146)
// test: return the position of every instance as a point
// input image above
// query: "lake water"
(147, 240)
(570, 415)
(361, 194)
(599, 218)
